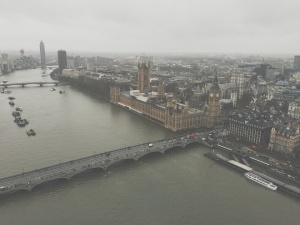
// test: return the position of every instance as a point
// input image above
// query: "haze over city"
(149, 112)
(158, 26)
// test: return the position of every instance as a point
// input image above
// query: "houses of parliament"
(169, 112)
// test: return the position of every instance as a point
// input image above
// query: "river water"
(180, 187)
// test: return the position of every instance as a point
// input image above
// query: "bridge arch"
(36, 185)
(88, 169)
(193, 142)
(113, 163)
(158, 152)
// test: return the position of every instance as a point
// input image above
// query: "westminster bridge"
(66, 170)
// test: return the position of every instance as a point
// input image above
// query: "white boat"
(260, 180)
(52, 89)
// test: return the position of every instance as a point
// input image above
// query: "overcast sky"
(198, 26)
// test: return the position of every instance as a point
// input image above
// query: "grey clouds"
(239, 26)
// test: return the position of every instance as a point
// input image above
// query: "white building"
(295, 77)
(271, 73)
(239, 80)
(71, 62)
(294, 109)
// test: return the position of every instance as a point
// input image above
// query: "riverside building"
(255, 127)
(285, 139)
(169, 112)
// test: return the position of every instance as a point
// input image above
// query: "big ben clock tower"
(213, 103)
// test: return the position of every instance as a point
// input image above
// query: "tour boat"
(260, 180)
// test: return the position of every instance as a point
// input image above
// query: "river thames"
(180, 187)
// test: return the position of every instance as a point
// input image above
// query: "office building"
(4, 56)
(43, 55)
(22, 53)
(255, 127)
(62, 60)
(71, 62)
(297, 61)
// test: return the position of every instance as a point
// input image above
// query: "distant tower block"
(4, 56)
(297, 61)
(43, 55)
(22, 52)
(233, 98)
(144, 75)
(62, 60)
(161, 90)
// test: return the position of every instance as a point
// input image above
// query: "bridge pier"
(69, 176)
(29, 188)
(41, 84)
(56, 84)
(23, 85)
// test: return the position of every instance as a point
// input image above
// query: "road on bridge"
(68, 169)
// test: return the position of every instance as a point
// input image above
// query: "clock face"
(211, 95)
(217, 95)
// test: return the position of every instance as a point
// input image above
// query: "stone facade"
(144, 75)
(172, 115)
(255, 127)
(239, 80)
(294, 110)
(213, 103)
(285, 139)
(250, 129)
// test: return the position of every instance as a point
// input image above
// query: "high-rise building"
(71, 62)
(22, 53)
(297, 61)
(62, 60)
(144, 75)
(4, 56)
(270, 73)
(77, 61)
(5, 67)
(43, 55)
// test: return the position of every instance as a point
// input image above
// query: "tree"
(245, 100)
(172, 88)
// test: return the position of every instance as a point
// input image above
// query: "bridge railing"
(178, 139)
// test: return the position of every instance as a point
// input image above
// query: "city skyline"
(162, 26)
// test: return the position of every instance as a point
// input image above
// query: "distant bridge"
(23, 84)
(52, 67)
(28, 180)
